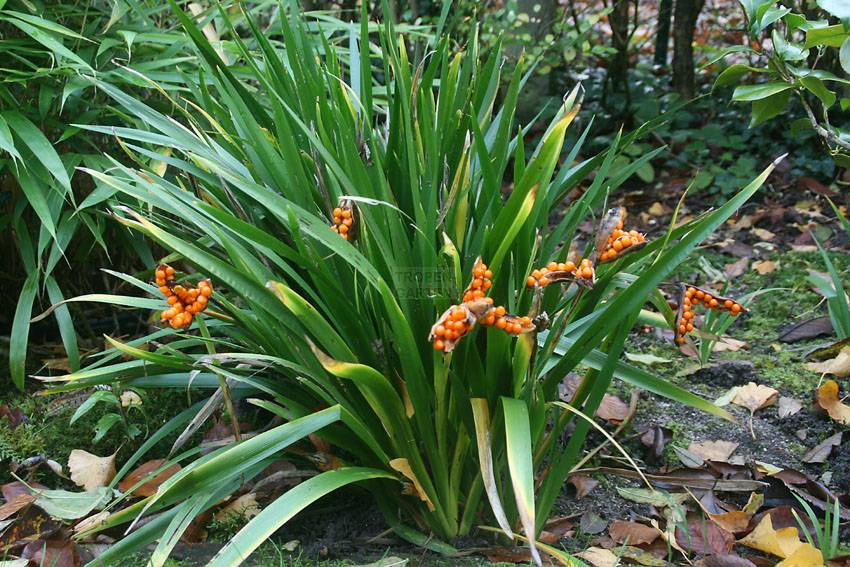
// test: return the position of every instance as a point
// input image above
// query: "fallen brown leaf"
(583, 484)
(736, 269)
(789, 406)
(827, 398)
(612, 409)
(55, 553)
(244, 507)
(703, 537)
(764, 266)
(599, 557)
(763, 234)
(20, 501)
(632, 533)
(820, 452)
(714, 450)
(90, 471)
(728, 344)
(755, 396)
(840, 365)
(143, 471)
(724, 561)
(658, 209)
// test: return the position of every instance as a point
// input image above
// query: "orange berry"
(587, 273)
(690, 327)
(700, 294)
(736, 308)
(500, 311)
(680, 340)
(536, 274)
(347, 222)
(187, 319)
(439, 345)
(171, 300)
(501, 324)
(530, 281)
(165, 290)
(169, 271)
(337, 212)
(618, 245)
(344, 236)
(569, 266)
(525, 320)
(160, 274)
(544, 282)
(488, 274)
(728, 304)
(343, 229)
(713, 303)
(683, 329)
(346, 213)
(202, 300)
(552, 266)
(476, 283)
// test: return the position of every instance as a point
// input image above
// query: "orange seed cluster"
(184, 302)
(343, 222)
(613, 240)
(692, 297)
(452, 325)
(481, 282)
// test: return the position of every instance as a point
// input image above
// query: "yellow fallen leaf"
(90, 471)
(403, 466)
(728, 344)
(827, 398)
(714, 450)
(840, 365)
(805, 556)
(784, 543)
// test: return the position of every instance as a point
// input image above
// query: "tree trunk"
(618, 67)
(685, 18)
(662, 34)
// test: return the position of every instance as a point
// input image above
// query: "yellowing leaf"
(90, 471)
(827, 398)
(840, 365)
(763, 234)
(403, 466)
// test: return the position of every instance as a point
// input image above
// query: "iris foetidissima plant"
(331, 335)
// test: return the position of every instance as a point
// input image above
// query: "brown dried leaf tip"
(184, 302)
(612, 240)
(344, 219)
(691, 297)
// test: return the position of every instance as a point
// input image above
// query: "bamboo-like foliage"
(303, 319)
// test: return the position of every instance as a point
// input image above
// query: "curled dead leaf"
(827, 398)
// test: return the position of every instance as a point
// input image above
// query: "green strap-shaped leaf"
(521, 466)
(21, 330)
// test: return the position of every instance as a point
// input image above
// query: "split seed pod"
(612, 240)
(345, 219)
(690, 297)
